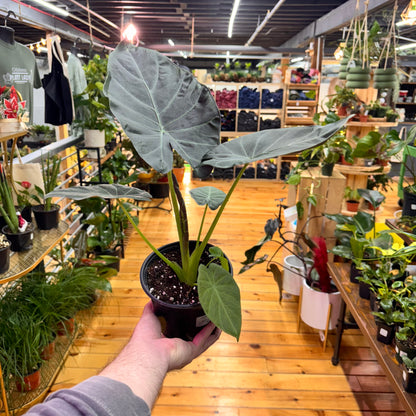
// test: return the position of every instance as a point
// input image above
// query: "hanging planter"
(358, 77)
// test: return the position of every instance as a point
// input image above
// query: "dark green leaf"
(220, 298)
(113, 191)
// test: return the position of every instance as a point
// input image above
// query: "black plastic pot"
(116, 252)
(46, 220)
(4, 259)
(354, 273)
(385, 333)
(327, 169)
(178, 321)
(364, 290)
(26, 213)
(20, 241)
(159, 190)
(409, 380)
(409, 203)
(404, 349)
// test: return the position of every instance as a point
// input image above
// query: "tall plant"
(7, 208)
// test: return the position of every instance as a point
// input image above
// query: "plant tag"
(201, 321)
(413, 207)
(31, 236)
(383, 332)
(404, 375)
(286, 296)
(403, 354)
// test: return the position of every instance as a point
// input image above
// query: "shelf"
(299, 120)
(403, 103)
(301, 103)
(4, 137)
(362, 170)
(371, 124)
(303, 86)
(25, 261)
(235, 133)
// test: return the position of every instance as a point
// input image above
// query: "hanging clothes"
(58, 97)
(76, 75)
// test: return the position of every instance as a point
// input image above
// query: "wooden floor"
(274, 370)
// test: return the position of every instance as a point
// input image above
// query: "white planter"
(293, 275)
(315, 305)
(94, 138)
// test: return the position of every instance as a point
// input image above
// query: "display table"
(360, 309)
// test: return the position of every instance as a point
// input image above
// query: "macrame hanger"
(387, 44)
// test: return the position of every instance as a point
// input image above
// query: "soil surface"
(165, 285)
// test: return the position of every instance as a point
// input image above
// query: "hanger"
(74, 50)
(6, 32)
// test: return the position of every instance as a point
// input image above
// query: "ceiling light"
(53, 8)
(232, 18)
(171, 42)
(409, 13)
(130, 33)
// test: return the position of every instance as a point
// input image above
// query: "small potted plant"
(12, 110)
(192, 128)
(409, 374)
(47, 213)
(344, 101)
(17, 230)
(178, 166)
(352, 199)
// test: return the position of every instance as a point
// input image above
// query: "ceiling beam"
(335, 19)
(31, 17)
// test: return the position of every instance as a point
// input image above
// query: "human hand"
(176, 351)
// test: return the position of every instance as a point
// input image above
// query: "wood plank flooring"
(274, 370)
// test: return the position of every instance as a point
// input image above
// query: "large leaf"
(106, 191)
(220, 298)
(161, 106)
(208, 195)
(269, 144)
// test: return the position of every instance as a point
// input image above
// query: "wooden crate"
(329, 192)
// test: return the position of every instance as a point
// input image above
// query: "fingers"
(205, 338)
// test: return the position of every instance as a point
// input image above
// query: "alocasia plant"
(162, 107)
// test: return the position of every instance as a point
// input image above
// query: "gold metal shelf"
(44, 241)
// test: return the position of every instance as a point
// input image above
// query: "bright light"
(171, 42)
(409, 14)
(129, 33)
(232, 18)
(406, 22)
(408, 46)
(53, 8)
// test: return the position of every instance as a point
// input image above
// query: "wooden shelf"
(385, 354)
(301, 103)
(371, 124)
(363, 170)
(303, 86)
(299, 121)
(4, 137)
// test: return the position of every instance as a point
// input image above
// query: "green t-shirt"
(18, 67)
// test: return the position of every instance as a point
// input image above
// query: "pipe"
(98, 16)
(264, 22)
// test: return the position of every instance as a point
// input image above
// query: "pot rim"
(38, 208)
(30, 228)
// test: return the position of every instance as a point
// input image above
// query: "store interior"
(242, 163)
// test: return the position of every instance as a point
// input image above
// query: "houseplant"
(352, 199)
(177, 112)
(12, 110)
(178, 166)
(17, 230)
(92, 104)
(409, 375)
(46, 213)
(344, 101)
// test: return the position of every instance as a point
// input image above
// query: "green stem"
(196, 255)
(184, 246)
(8, 221)
(202, 225)
(175, 267)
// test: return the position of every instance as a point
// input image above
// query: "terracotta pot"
(363, 118)
(48, 351)
(66, 327)
(352, 205)
(342, 111)
(179, 173)
(30, 382)
(178, 321)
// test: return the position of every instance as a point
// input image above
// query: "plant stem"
(175, 267)
(202, 225)
(196, 255)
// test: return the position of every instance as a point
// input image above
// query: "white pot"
(94, 138)
(315, 305)
(293, 275)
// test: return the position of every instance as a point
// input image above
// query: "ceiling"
(290, 24)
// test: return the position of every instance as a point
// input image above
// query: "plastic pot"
(27, 213)
(46, 220)
(20, 241)
(352, 205)
(404, 349)
(354, 273)
(178, 321)
(159, 190)
(364, 290)
(409, 380)
(409, 203)
(293, 275)
(385, 333)
(327, 169)
(4, 259)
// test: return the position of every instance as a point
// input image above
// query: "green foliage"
(351, 194)
(7, 209)
(168, 109)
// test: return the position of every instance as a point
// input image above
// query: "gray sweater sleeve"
(97, 396)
